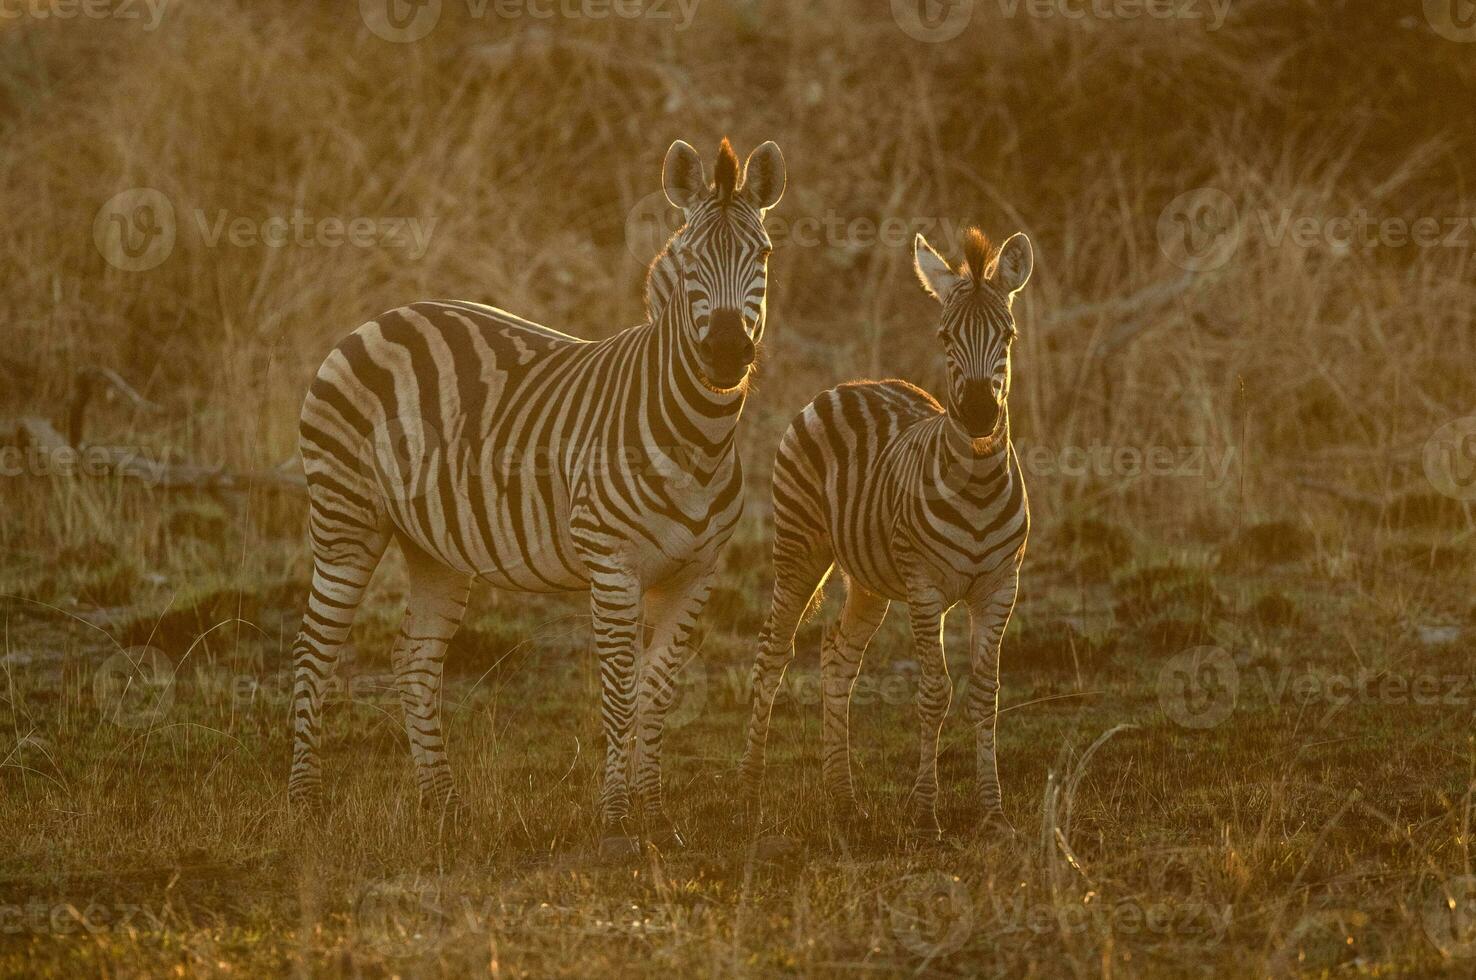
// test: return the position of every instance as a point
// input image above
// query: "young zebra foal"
(491, 447)
(914, 502)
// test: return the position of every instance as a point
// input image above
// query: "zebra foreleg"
(615, 606)
(671, 614)
(934, 692)
(988, 617)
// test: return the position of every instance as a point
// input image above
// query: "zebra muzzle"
(978, 410)
(727, 350)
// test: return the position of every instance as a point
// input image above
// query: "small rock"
(1274, 609)
(775, 849)
(619, 848)
(1438, 636)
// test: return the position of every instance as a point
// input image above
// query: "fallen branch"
(191, 476)
(43, 451)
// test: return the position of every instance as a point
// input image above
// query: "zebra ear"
(1011, 269)
(932, 270)
(682, 177)
(764, 176)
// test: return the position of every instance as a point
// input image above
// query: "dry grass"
(528, 143)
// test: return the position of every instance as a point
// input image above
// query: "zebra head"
(720, 255)
(978, 322)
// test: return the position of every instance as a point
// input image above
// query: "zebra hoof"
(846, 812)
(443, 814)
(997, 825)
(306, 804)
(663, 835)
(746, 815)
(619, 848)
(750, 784)
(924, 831)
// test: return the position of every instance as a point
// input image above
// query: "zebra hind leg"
(799, 574)
(340, 576)
(432, 616)
(671, 612)
(840, 663)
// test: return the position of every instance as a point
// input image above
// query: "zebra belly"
(867, 559)
(678, 549)
(684, 536)
(883, 558)
(508, 527)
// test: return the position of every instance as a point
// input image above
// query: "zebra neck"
(661, 282)
(708, 417)
(957, 445)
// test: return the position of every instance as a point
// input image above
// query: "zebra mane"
(661, 280)
(979, 256)
(725, 174)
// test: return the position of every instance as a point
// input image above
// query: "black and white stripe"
(913, 502)
(491, 447)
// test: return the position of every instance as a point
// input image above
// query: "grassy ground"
(1297, 801)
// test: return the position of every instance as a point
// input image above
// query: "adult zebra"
(493, 447)
(916, 503)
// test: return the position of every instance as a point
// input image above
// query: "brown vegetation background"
(529, 141)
